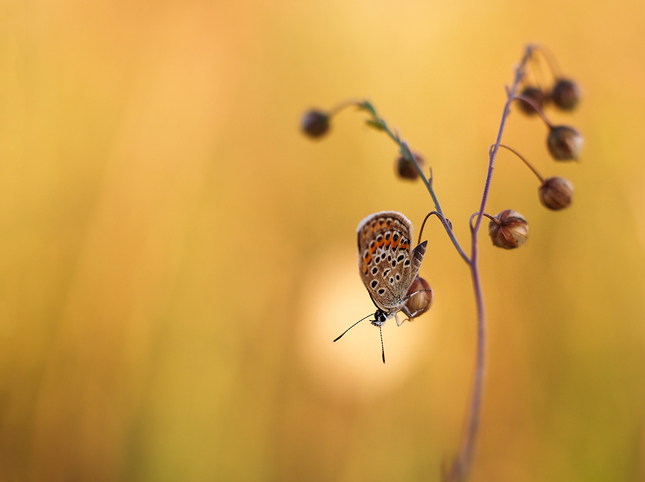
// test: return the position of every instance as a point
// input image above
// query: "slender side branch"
(343, 105)
(550, 59)
(535, 108)
(379, 123)
(460, 468)
(448, 227)
(528, 164)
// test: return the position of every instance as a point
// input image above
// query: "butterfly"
(386, 265)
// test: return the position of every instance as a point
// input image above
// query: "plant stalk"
(460, 467)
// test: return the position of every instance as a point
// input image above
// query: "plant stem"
(535, 108)
(460, 468)
(528, 164)
(379, 123)
(550, 60)
(343, 105)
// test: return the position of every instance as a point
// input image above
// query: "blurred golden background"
(176, 258)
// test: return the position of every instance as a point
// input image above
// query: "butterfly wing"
(386, 266)
(417, 257)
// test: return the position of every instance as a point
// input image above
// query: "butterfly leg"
(411, 315)
(396, 318)
(417, 312)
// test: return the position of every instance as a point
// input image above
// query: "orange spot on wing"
(368, 260)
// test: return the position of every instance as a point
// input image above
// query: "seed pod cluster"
(564, 95)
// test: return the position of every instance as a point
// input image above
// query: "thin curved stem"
(528, 164)
(343, 105)
(535, 108)
(492, 218)
(550, 60)
(407, 153)
(537, 74)
(379, 123)
(460, 468)
(448, 227)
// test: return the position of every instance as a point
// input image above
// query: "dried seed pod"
(315, 123)
(406, 169)
(508, 230)
(536, 96)
(564, 143)
(565, 94)
(419, 303)
(556, 193)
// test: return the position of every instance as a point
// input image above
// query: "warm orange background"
(175, 258)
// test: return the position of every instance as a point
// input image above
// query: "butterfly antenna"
(341, 335)
(382, 347)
